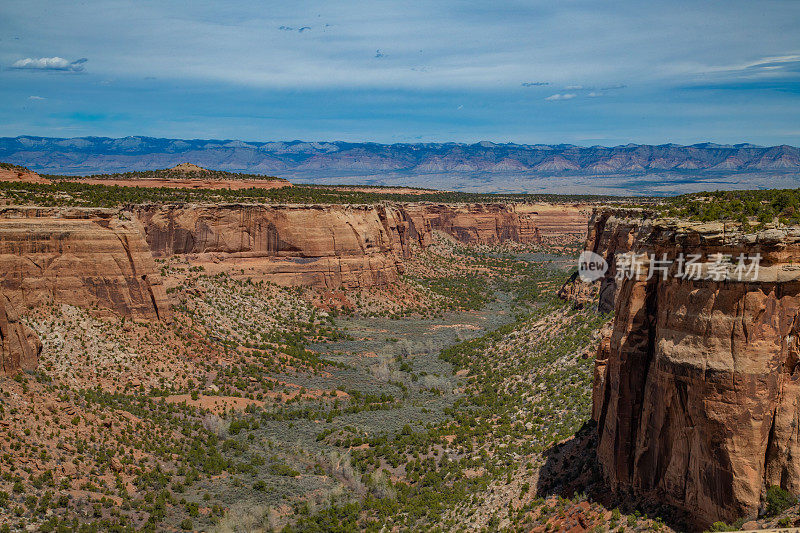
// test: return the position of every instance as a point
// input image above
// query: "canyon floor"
(435, 402)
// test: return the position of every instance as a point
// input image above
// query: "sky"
(585, 72)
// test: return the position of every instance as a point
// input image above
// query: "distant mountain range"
(90, 155)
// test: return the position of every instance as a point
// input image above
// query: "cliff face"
(495, 223)
(696, 387)
(320, 245)
(19, 344)
(85, 257)
(103, 258)
(337, 245)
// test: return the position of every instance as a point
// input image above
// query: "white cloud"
(561, 96)
(573, 87)
(772, 62)
(36, 98)
(50, 63)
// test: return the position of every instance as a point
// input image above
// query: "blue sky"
(574, 71)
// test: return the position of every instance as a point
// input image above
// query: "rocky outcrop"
(696, 387)
(496, 223)
(611, 231)
(19, 345)
(92, 258)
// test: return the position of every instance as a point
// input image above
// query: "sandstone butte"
(102, 259)
(188, 167)
(697, 384)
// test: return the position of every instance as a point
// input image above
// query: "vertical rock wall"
(696, 388)
(92, 258)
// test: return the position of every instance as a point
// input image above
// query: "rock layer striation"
(338, 246)
(93, 258)
(496, 223)
(319, 245)
(697, 385)
(102, 259)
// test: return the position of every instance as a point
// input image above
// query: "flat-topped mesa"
(19, 345)
(93, 258)
(328, 246)
(696, 388)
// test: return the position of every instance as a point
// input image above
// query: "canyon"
(696, 384)
(694, 381)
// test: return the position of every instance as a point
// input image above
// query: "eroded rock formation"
(697, 386)
(92, 258)
(102, 259)
(20, 174)
(19, 345)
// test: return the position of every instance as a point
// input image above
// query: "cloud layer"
(446, 70)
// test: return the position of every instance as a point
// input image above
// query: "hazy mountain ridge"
(86, 155)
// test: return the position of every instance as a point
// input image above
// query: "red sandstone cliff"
(103, 258)
(696, 387)
(319, 245)
(86, 257)
(336, 246)
(495, 223)
(19, 344)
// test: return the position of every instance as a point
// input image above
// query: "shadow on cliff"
(571, 468)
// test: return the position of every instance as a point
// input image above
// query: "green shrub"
(778, 500)
(721, 526)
